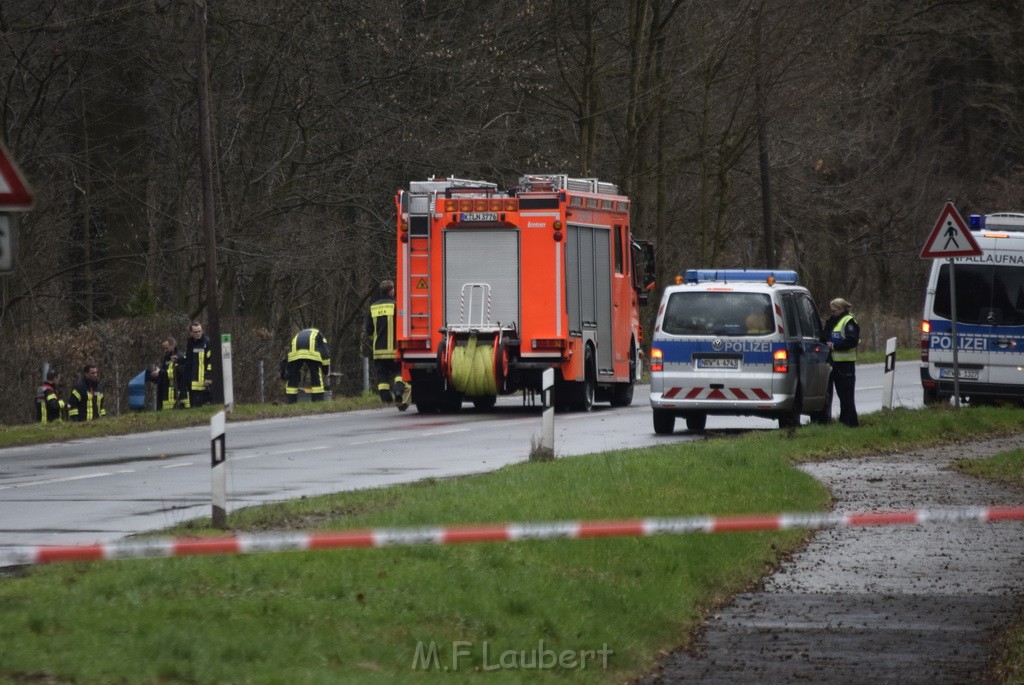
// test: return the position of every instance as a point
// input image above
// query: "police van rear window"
(718, 313)
(986, 295)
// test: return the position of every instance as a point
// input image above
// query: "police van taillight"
(780, 361)
(657, 360)
(926, 328)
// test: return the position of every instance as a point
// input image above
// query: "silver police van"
(989, 315)
(738, 342)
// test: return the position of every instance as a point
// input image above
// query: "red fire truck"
(495, 286)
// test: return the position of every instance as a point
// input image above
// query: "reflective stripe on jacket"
(49, 405)
(200, 362)
(839, 336)
(380, 326)
(312, 345)
(86, 403)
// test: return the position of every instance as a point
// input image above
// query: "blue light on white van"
(977, 221)
(744, 275)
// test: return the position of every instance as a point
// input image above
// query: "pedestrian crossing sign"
(950, 237)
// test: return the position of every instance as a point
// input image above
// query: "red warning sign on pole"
(15, 194)
(950, 237)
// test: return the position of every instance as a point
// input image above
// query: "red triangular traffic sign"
(15, 194)
(950, 237)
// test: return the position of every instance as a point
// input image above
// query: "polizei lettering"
(945, 342)
(746, 346)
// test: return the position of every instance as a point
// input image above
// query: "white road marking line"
(176, 466)
(413, 436)
(50, 481)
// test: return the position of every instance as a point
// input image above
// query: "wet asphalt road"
(903, 604)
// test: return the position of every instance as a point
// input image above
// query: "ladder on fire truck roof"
(537, 182)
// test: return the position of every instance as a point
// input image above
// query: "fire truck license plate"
(479, 216)
(717, 363)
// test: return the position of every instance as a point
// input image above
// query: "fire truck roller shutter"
(588, 289)
(488, 256)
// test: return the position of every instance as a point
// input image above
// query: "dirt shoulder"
(898, 604)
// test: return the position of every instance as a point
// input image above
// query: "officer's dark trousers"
(844, 380)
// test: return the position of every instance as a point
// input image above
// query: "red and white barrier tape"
(512, 532)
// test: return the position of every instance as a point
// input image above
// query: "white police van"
(989, 317)
(738, 342)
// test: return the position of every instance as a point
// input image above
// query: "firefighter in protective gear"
(169, 377)
(198, 367)
(86, 401)
(49, 405)
(308, 349)
(380, 329)
(842, 333)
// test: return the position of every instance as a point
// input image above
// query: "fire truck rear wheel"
(486, 402)
(586, 388)
(622, 394)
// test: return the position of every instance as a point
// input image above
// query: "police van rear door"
(975, 318)
(990, 314)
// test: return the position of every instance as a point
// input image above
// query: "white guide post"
(547, 438)
(225, 356)
(218, 471)
(890, 373)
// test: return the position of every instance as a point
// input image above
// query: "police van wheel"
(664, 422)
(931, 396)
(824, 415)
(696, 422)
(791, 419)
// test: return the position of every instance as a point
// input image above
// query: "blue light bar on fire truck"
(737, 275)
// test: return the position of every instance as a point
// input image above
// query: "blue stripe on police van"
(977, 338)
(753, 351)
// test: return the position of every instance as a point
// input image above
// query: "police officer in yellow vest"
(842, 333)
(309, 349)
(380, 329)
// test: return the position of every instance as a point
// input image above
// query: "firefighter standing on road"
(168, 376)
(309, 348)
(199, 367)
(86, 402)
(842, 333)
(49, 405)
(380, 329)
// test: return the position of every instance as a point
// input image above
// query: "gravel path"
(902, 604)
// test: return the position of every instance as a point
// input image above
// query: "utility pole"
(206, 174)
(762, 147)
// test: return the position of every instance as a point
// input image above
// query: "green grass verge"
(367, 615)
(1007, 468)
(141, 422)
